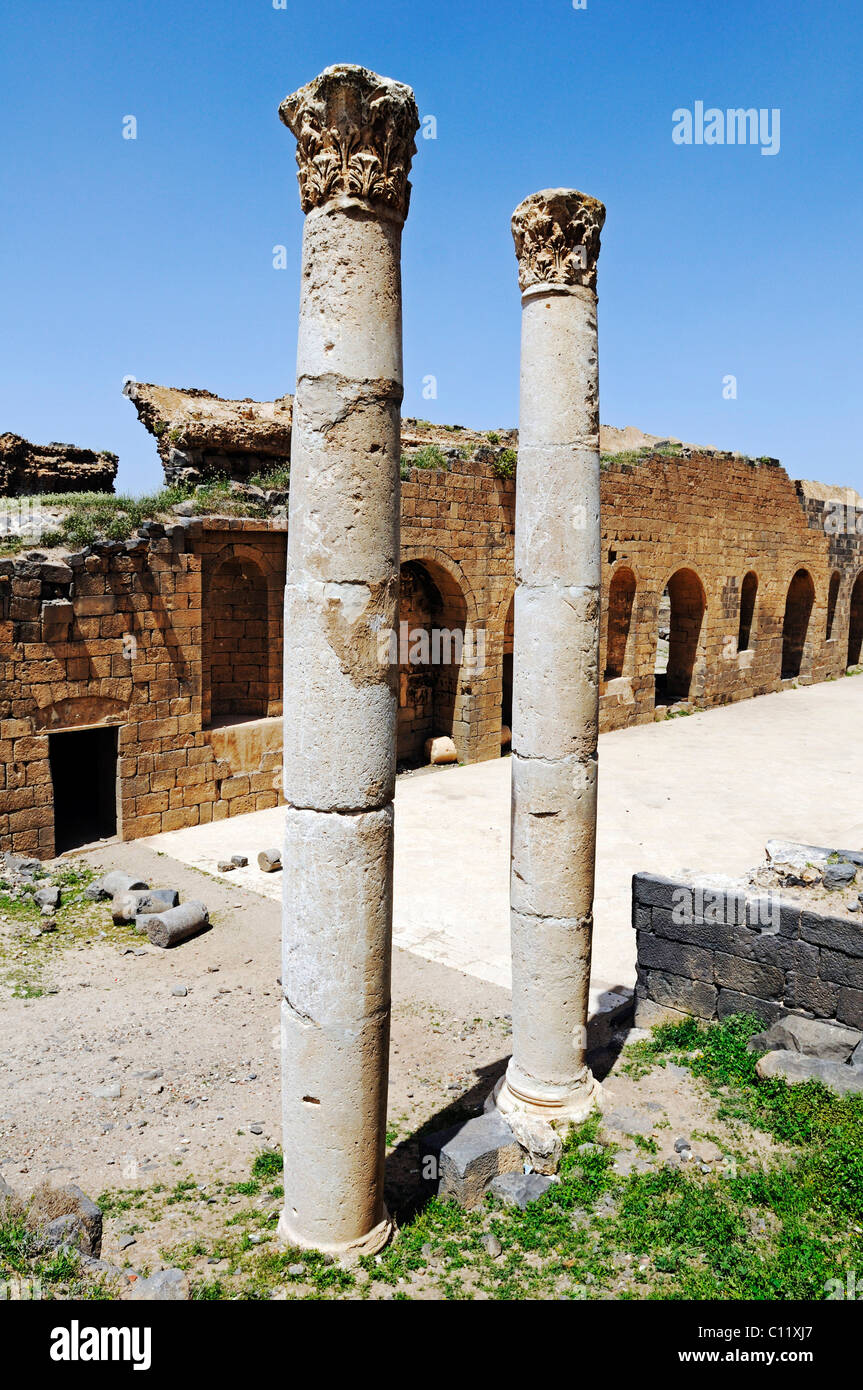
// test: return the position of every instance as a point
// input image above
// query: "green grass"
(761, 1227)
(505, 464)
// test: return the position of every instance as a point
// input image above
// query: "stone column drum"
(355, 136)
(556, 658)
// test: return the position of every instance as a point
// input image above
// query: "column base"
(559, 1106)
(348, 1251)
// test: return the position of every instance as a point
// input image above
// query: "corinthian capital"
(556, 235)
(355, 138)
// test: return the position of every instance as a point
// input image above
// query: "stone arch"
(855, 622)
(240, 656)
(684, 607)
(434, 657)
(748, 595)
(799, 602)
(832, 598)
(621, 598)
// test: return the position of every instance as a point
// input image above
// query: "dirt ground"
(111, 1080)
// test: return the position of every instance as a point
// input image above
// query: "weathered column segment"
(556, 657)
(355, 135)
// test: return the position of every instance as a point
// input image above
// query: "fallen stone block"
(48, 896)
(460, 1162)
(441, 750)
(176, 924)
(117, 882)
(226, 866)
(810, 1036)
(169, 1285)
(839, 875)
(239, 861)
(518, 1189)
(795, 1067)
(269, 860)
(126, 907)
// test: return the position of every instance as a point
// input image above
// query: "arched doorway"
(748, 592)
(432, 617)
(795, 626)
(238, 647)
(681, 614)
(621, 596)
(855, 623)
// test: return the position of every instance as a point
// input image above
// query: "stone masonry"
(125, 633)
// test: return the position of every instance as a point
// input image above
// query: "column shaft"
(556, 658)
(340, 697)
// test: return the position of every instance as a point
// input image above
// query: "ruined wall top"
(198, 433)
(355, 138)
(556, 235)
(27, 469)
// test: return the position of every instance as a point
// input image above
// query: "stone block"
(466, 1157)
(657, 953)
(805, 991)
(811, 1036)
(732, 1002)
(836, 933)
(749, 977)
(849, 1009)
(654, 891)
(518, 1189)
(795, 1067)
(690, 996)
(842, 970)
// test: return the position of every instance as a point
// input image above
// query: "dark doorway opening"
(855, 624)
(84, 776)
(681, 614)
(748, 591)
(798, 609)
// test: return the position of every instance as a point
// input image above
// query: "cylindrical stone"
(556, 658)
(355, 135)
(176, 925)
(269, 860)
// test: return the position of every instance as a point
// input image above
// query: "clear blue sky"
(154, 256)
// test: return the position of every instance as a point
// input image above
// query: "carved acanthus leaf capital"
(556, 235)
(355, 138)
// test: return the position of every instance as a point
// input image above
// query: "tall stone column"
(355, 135)
(556, 658)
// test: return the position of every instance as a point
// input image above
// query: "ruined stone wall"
(113, 638)
(175, 638)
(32, 469)
(708, 952)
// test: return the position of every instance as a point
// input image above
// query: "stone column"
(556, 658)
(355, 134)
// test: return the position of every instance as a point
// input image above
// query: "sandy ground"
(704, 791)
(198, 1073)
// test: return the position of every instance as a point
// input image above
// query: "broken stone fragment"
(542, 1143)
(48, 897)
(795, 1067)
(517, 1189)
(441, 750)
(80, 1227)
(269, 860)
(839, 875)
(462, 1161)
(126, 907)
(811, 1036)
(117, 882)
(226, 866)
(169, 1285)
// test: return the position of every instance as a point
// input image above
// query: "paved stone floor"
(703, 792)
